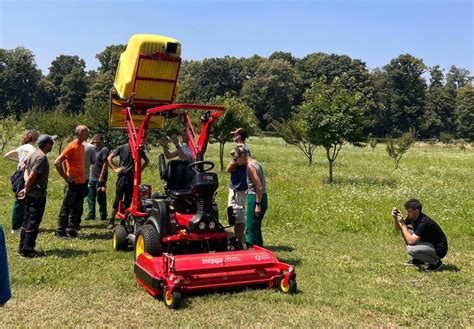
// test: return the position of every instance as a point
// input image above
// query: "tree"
(109, 58)
(73, 90)
(46, 94)
(458, 77)
(295, 132)
(286, 56)
(272, 92)
(236, 114)
(19, 78)
(465, 112)
(334, 114)
(396, 148)
(9, 127)
(99, 91)
(64, 65)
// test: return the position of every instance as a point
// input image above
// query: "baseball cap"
(242, 132)
(45, 139)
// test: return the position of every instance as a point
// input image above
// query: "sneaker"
(32, 254)
(414, 262)
(16, 231)
(72, 234)
(89, 218)
(111, 224)
(62, 235)
(434, 267)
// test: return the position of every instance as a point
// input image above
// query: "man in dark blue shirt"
(426, 242)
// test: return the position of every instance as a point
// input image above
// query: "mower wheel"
(147, 240)
(119, 238)
(174, 302)
(289, 288)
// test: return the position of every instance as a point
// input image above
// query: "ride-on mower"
(179, 244)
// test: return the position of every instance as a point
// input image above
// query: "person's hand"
(164, 141)
(258, 210)
(174, 139)
(395, 213)
(101, 182)
(22, 194)
(70, 179)
(119, 170)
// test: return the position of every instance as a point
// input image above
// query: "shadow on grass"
(96, 236)
(450, 268)
(366, 181)
(97, 224)
(279, 248)
(70, 253)
(290, 261)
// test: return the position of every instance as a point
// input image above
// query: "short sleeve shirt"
(23, 151)
(38, 162)
(126, 159)
(89, 157)
(429, 231)
(100, 158)
(75, 166)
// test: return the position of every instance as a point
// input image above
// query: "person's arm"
(58, 163)
(395, 214)
(411, 239)
(231, 167)
(146, 160)
(112, 164)
(29, 184)
(11, 155)
(258, 186)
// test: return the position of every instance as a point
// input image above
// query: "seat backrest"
(179, 176)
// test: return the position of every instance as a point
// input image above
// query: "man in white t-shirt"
(89, 160)
(20, 154)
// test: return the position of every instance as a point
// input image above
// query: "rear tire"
(147, 240)
(119, 238)
(174, 302)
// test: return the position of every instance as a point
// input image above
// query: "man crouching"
(426, 242)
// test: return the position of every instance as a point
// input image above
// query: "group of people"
(30, 184)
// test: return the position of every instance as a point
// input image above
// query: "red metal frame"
(137, 139)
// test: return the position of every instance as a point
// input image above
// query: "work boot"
(434, 267)
(111, 224)
(32, 254)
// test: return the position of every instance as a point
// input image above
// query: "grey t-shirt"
(100, 158)
(89, 157)
(38, 162)
(252, 188)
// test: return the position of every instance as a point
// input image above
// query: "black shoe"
(62, 235)
(434, 267)
(89, 218)
(111, 224)
(104, 219)
(32, 254)
(72, 234)
(414, 262)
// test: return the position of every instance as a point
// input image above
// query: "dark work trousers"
(81, 209)
(34, 210)
(70, 213)
(5, 291)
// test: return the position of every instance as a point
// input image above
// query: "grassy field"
(348, 259)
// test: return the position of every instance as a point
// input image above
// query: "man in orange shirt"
(75, 178)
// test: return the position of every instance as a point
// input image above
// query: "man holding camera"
(426, 242)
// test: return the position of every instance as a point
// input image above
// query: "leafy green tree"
(436, 76)
(109, 59)
(46, 94)
(9, 127)
(295, 132)
(334, 114)
(73, 90)
(407, 91)
(286, 56)
(465, 112)
(236, 114)
(64, 65)
(99, 91)
(396, 148)
(19, 79)
(458, 77)
(272, 92)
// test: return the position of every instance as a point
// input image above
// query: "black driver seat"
(179, 179)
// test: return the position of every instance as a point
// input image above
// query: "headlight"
(202, 225)
(212, 225)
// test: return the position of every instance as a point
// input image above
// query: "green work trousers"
(17, 213)
(253, 223)
(101, 200)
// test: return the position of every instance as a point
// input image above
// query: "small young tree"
(334, 114)
(373, 143)
(9, 127)
(295, 132)
(396, 148)
(236, 114)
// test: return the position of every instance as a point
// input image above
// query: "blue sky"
(440, 32)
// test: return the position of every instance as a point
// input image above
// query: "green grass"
(348, 259)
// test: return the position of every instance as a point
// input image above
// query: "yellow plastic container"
(150, 79)
(117, 119)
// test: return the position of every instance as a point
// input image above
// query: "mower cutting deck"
(179, 244)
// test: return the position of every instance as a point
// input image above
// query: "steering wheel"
(198, 166)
